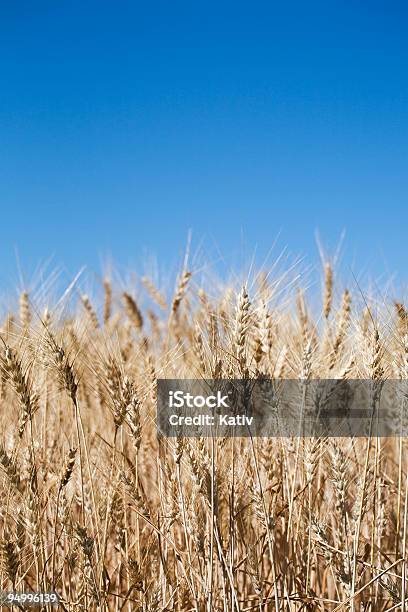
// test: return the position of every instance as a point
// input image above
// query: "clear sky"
(125, 124)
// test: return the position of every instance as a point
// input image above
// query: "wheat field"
(95, 506)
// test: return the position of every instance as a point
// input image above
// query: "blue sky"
(124, 125)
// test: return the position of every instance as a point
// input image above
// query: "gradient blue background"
(125, 124)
